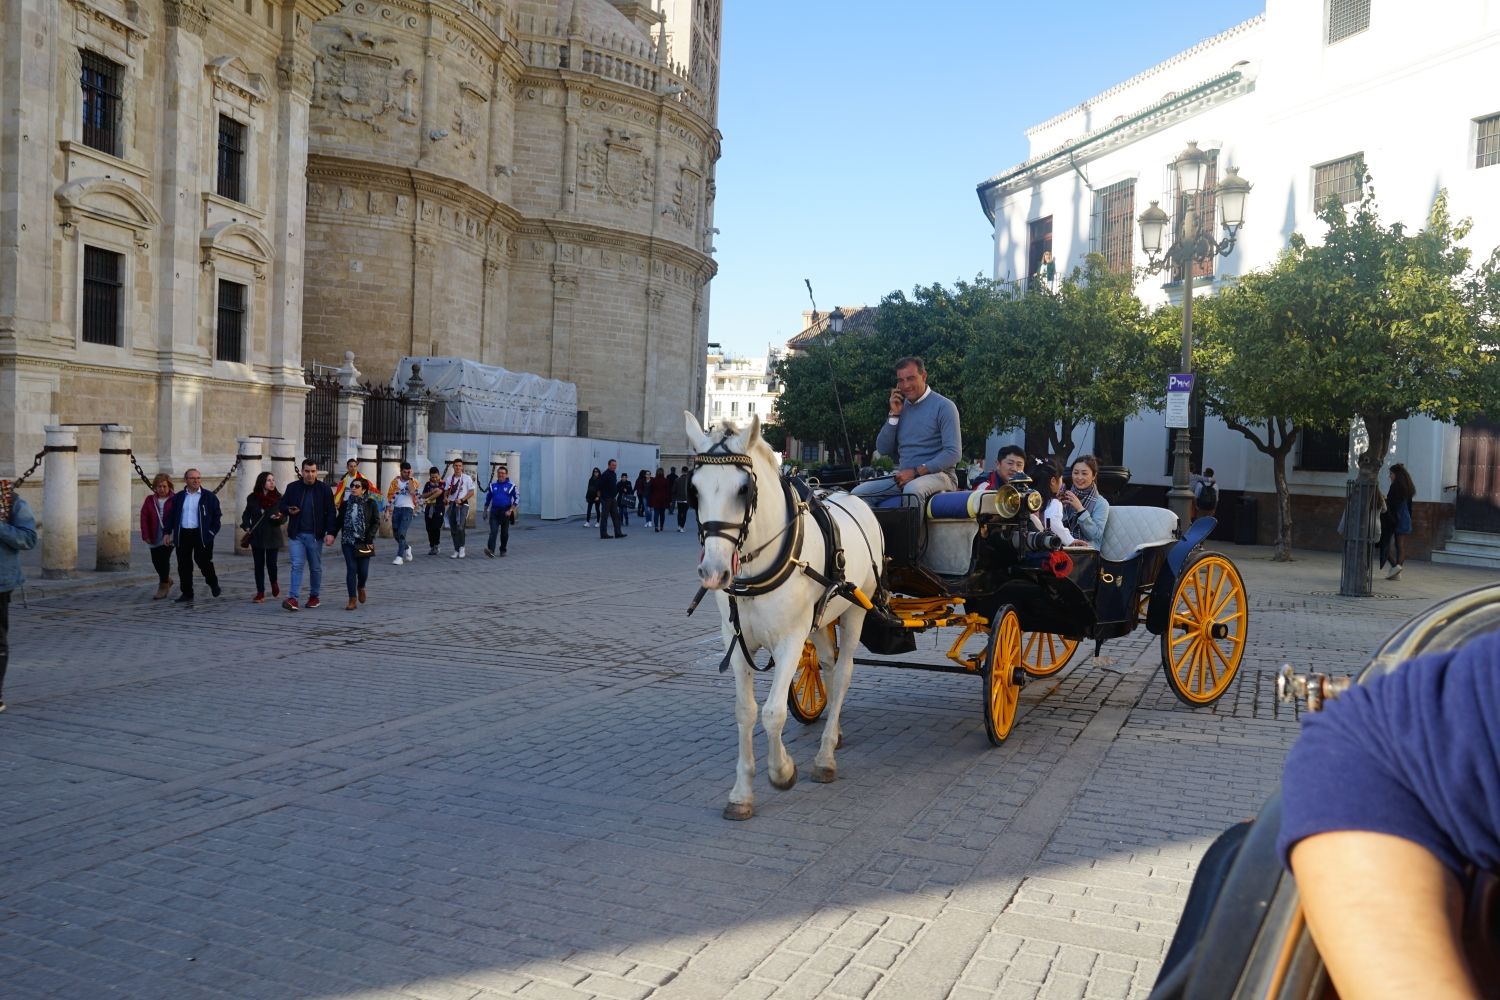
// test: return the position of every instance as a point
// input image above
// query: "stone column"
(60, 503)
(249, 455)
(349, 416)
(283, 462)
(112, 536)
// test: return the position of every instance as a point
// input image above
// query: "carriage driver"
(921, 434)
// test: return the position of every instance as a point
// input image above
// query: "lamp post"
(1194, 242)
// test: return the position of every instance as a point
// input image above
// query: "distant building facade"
(1294, 98)
(738, 389)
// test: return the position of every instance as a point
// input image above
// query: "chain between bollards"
(142, 474)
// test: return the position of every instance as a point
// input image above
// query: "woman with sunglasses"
(359, 523)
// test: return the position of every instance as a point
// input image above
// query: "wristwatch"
(922, 470)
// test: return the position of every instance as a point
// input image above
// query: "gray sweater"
(926, 433)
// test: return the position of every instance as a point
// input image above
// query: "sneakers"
(275, 589)
(313, 601)
(259, 598)
(679, 531)
(397, 561)
(162, 590)
(502, 552)
(290, 604)
(463, 553)
(433, 551)
(457, 554)
(489, 553)
(1394, 574)
(2, 706)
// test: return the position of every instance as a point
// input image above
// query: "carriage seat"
(1131, 529)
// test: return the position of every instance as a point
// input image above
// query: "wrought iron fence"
(320, 423)
(385, 420)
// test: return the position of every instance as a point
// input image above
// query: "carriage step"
(942, 668)
(1470, 548)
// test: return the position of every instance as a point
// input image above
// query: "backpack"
(1208, 497)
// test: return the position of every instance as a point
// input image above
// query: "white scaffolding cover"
(484, 399)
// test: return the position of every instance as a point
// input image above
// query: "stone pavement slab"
(502, 778)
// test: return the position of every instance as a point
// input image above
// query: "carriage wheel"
(1002, 661)
(807, 696)
(1202, 648)
(1045, 653)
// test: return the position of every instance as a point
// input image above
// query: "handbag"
(245, 538)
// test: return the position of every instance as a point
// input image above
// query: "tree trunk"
(1282, 551)
(1358, 576)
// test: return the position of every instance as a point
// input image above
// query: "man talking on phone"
(921, 435)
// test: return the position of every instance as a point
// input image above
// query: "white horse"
(746, 522)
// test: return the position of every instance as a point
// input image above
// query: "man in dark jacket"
(17, 534)
(680, 495)
(608, 488)
(310, 524)
(193, 521)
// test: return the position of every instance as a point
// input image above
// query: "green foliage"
(1084, 353)
(775, 436)
(883, 464)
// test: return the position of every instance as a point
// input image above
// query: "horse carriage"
(1036, 602)
(787, 561)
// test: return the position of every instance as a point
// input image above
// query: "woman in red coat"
(153, 518)
(661, 499)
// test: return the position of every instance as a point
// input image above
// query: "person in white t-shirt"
(403, 497)
(1049, 477)
(458, 490)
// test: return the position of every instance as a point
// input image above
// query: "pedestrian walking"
(359, 523)
(593, 508)
(672, 477)
(625, 499)
(17, 534)
(501, 502)
(193, 521)
(458, 490)
(608, 512)
(261, 522)
(1396, 521)
(680, 496)
(310, 522)
(661, 499)
(1205, 493)
(402, 498)
(351, 473)
(642, 490)
(432, 510)
(154, 531)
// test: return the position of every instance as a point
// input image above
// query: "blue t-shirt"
(1414, 754)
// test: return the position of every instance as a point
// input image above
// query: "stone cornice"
(187, 15)
(643, 100)
(454, 15)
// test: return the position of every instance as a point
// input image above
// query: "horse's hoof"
(782, 786)
(822, 775)
(739, 810)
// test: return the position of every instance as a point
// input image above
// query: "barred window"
(103, 276)
(1115, 211)
(1347, 17)
(1341, 177)
(101, 103)
(1323, 451)
(1487, 146)
(231, 341)
(231, 159)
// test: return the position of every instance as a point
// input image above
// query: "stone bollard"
(60, 503)
(471, 468)
(284, 462)
(390, 468)
(250, 455)
(112, 535)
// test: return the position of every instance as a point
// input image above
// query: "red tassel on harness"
(1059, 562)
(734, 562)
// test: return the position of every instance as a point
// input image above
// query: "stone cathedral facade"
(198, 198)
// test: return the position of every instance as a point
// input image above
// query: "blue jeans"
(306, 550)
(499, 525)
(400, 521)
(356, 569)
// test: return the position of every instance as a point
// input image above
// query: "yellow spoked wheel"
(1202, 647)
(807, 696)
(1045, 653)
(1002, 664)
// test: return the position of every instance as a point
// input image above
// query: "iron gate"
(320, 421)
(385, 421)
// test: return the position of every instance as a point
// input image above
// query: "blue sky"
(855, 133)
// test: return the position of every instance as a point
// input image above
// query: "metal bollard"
(60, 503)
(112, 533)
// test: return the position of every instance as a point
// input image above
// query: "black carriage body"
(1087, 597)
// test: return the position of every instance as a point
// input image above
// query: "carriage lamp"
(1192, 169)
(836, 321)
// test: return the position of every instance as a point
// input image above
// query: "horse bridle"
(733, 533)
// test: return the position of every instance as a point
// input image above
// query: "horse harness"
(800, 498)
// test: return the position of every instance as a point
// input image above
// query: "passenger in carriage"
(1009, 463)
(922, 435)
(1085, 512)
(1049, 482)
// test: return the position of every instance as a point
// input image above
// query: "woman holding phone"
(1085, 512)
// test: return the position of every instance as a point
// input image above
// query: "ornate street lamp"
(836, 321)
(1193, 242)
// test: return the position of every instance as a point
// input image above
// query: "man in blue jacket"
(500, 503)
(17, 534)
(609, 487)
(193, 521)
(310, 525)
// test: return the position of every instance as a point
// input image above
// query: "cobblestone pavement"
(503, 778)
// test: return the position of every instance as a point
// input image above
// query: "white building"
(740, 388)
(1292, 98)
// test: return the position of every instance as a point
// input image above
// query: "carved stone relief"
(359, 77)
(617, 167)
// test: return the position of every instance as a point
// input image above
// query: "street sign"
(1179, 394)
